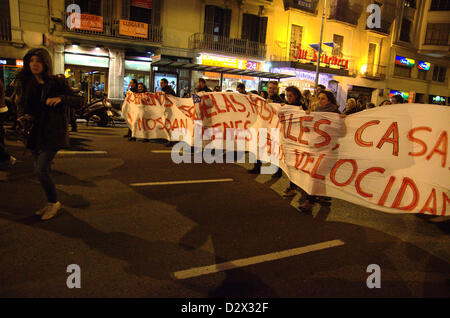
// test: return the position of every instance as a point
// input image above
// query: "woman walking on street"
(43, 100)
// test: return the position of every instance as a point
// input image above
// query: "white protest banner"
(390, 158)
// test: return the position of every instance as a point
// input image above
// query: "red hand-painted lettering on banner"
(241, 109)
(445, 200)
(361, 177)
(204, 107)
(316, 167)
(322, 133)
(228, 104)
(298, 159)
(386, 191)
(359, 132)
(309, 159)
(168, 101)
(443, 139)
(393, 129)
(287, 134)
(433, 209)
(303, 129)
(407, 182)
(336, 167)
(219, 110)
(420, 142)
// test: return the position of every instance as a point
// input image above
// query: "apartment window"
(403, 71)
(437, 34)
(439, 73)
(440, 5)
(254, 28)
(141, 11)
(5, 22)
(296, 40)
(422, 75)
(217, 21)
(405, 30)
(87, 6)
(339, 44)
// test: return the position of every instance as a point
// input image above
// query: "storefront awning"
(309, 67)
(218, 69)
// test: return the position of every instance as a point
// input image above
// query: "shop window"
(254, 28)
(422, 75)
(403, 71)
(405, 30)
(339, 44)
(439, 73)
(87, 6)
(217, 21)
(139, 14)
(437, 34)
(440, 5)
(296, 40)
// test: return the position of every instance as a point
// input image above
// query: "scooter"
(98, 111)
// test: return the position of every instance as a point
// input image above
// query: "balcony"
(375, 72)
(111, 29)
(347, 11)
(224, 45)
(309, 6)
(5, 30)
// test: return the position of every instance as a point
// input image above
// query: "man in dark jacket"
(166, 88)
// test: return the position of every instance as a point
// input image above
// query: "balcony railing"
(440, 42)
(111, 29)
(222, 44)
(376, 72)
(345, 11)
(5, 30)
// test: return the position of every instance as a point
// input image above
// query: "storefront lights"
(364, 69)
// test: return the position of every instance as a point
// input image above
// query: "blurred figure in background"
(241, 88)
(201, 86)
(397, 99)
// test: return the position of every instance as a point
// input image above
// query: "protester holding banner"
(241, 88)
(397, 99)
(272, 90)
(326, 103)
(134, 88)
(142, 88)
(43, 99)
(294, 97)
(166, 88)
(201, 86)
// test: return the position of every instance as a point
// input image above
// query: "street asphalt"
(134, 241)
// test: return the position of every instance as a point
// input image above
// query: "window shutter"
(262, 29)
(126, 4)
(209, 19)
(226, 22)
(245, 27)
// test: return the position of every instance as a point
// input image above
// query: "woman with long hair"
(42, 99)
(293, 97)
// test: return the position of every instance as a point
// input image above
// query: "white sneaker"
(53, 208)
(43, 210)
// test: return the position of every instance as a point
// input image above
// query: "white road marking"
(178, 182)
(205, 270)
(69, 152)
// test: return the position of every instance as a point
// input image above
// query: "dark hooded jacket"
(50, 128)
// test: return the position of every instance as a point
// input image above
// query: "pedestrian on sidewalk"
(134, 88)
(43, 98)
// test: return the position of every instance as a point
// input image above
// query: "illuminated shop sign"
(400, 60)
(302, 75)
(438, 99)
(232, 62)
(3, 62)
(305, 55)
(137, 65)
(86, 60)
(19, 63)
(405, 95)
(424, 66)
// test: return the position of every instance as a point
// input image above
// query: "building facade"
(100, 45)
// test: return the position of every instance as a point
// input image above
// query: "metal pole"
(320, 45)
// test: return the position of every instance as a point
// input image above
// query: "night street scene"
(214, 157)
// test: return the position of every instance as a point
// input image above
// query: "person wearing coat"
(42, 102)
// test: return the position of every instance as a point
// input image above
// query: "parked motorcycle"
(98, 110)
